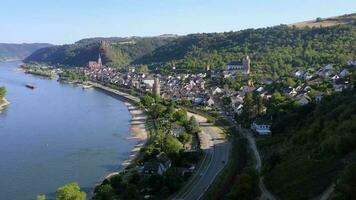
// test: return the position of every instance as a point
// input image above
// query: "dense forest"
(312, 147)
(18, 51)
(116, 52)
(275, 50)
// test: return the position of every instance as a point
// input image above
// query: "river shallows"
(56, 134)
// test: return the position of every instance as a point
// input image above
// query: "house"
(210, 102)
(338, 87)
(217, 90)
(177, 130)
(198, 100)
(158, 165)
(308, 77)
(303, 99)
(149, 81)
(291, 92)
(261, 128)
(298, 73)
(344, 73)
(329, 67)
(351, 62)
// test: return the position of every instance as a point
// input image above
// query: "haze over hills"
(19, 51)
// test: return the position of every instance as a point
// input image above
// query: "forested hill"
(18, 51)
(116, 52)
(312, 147)
(275, 50)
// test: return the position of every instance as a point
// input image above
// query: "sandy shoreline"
(137, 125)
(4, 104)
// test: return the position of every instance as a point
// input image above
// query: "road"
(216, 154)
(265, 193)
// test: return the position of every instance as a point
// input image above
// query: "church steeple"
(100, 64)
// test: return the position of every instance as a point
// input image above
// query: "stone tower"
(156, 86)
(246, 63)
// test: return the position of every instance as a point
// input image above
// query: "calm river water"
(56, 134)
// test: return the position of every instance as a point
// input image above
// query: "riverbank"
(138, 123)
(3, 104)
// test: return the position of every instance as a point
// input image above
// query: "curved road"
(266, 194)
(216, 154)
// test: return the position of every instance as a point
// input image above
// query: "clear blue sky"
(65, 21)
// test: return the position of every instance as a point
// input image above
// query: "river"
(56, 134)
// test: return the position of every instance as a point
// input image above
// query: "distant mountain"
(115, 51)
(326, 22)
(19, 51)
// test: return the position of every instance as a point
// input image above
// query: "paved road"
(122, 94)
(266, 194)
(216, 150)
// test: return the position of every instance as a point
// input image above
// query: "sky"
(66, 21)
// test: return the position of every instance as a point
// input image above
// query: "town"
(301, 87)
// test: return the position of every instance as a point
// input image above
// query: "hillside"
(274, 51)
(326, 22)
(311, 147)
(18, 51)
(116, 52)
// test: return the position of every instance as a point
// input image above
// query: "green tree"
(180, 116)
(172, 145)
(70, 191)
(142, 69)
(104, 192)
(41, 197)
(2, 92)
(192, 125)
(185, 138)
(147, 101)
(248, 107)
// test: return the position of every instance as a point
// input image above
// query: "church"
(92, 65)
(244, 68)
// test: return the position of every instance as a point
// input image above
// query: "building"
(158, 165)
(246, 63)
(157, 86)
(93, 65)
(244, 68)
(261, 128)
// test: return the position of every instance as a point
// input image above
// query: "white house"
(298, 73)
(261, 128)
(217, 90)
(210, 102)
